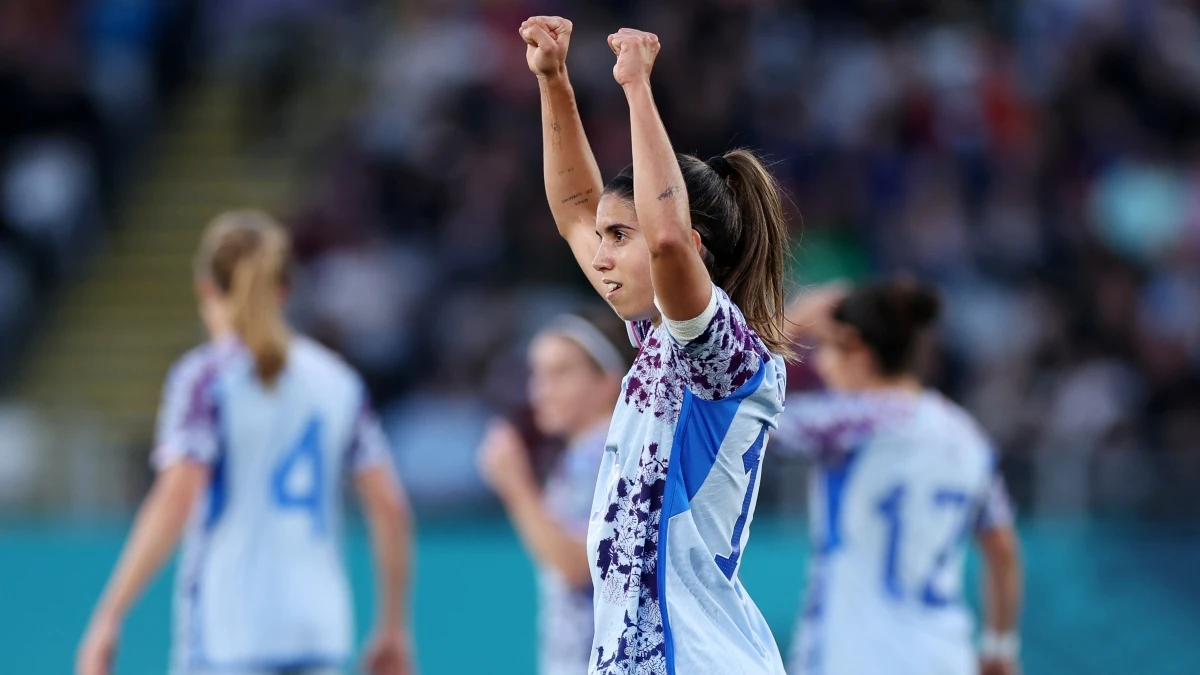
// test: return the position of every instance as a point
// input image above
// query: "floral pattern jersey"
(674, 500)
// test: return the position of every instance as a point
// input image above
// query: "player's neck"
(904, 382)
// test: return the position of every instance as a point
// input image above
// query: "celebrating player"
(903, 479)
(576, 370)
(256, 432)
(692, 254)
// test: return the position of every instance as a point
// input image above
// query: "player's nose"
(603, 259)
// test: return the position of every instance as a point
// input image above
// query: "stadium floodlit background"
(1038, 160)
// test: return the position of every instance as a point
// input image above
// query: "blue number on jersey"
(296, 482)
(750, 462)
(891, 507)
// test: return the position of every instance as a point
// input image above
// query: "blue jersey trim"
(675, 501)
(699, 433)
(705, 431)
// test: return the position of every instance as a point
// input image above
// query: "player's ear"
(206, 290)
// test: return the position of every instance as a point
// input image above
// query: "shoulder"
(313, 357)
(955, 419)
(200, 365)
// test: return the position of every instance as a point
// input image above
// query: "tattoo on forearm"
(570, 169)
(573, 197)
(670, 192)
(555, 135)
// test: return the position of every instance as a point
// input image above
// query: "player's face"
(623, 260)
(565, 387)
(843, 362)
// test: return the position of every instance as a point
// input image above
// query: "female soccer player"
(902, 478)
(257, 429)
(692, 254)
(576, 370)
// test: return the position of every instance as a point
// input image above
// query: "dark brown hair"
(891, 318)
(245, 254)
(736, 206)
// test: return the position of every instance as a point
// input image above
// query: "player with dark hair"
(903, 478)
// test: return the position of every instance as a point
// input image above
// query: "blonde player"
(903, 480)
(257, 430)
(576, 365)
(692, 254)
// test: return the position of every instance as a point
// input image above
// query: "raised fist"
(546, 41)
(636, 51)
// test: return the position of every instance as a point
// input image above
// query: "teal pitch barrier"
(1102, 598)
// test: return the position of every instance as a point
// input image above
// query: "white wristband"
(1001, 646)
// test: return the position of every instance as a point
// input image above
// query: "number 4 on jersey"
(296, 482)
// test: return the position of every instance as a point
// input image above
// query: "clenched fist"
(636, 51)
(546, 41)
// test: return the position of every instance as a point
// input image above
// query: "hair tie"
(721, 166)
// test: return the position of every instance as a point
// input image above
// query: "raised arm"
(573, 181)
(682, 286)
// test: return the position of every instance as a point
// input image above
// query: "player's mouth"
(612, 287)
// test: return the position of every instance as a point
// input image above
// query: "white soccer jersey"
(674, 502)
(565, 613)
(901, 480)
(261, 582)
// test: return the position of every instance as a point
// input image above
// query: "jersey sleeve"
(187, 427)
(824, 428)
(718, 351)
(996, 510)
(369, 447)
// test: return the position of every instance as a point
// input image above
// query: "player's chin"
(629, 310)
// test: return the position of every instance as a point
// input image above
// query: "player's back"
(896, 494)
(262, 582)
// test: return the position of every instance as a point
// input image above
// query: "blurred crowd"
(1039, 160)
(82, 82)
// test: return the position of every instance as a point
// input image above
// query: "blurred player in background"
(576, 365)
(903, 479)
(257, 430)
(692, 253)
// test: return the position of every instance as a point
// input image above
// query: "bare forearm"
(1002, 580)
(546, 540)
(659, 195)
(682, 286)
(391, 533)
(155, 533)
(1003, 598)
(573, 181)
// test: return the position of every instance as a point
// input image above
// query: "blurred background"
(1038, 160)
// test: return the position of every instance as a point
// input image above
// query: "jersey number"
(750, 461)
(891, 508)
(297, 480)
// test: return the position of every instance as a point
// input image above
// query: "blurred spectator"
(1038, 160)
(81, 83)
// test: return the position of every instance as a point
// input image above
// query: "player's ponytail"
(755, 266)
(245, 253)
(737, 207)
